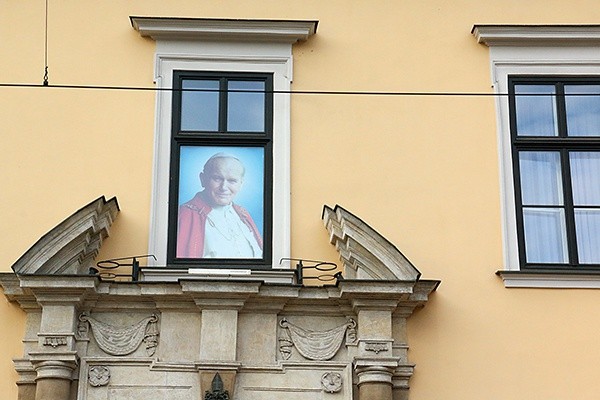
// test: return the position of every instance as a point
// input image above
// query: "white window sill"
(550, 279)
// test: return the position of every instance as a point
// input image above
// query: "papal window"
(222, 115)
(221, 169)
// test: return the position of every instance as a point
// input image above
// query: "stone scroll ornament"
(118, 341)
(315, 345)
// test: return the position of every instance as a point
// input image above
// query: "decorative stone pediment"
(70, 248)
(365, 253)
(204, 338)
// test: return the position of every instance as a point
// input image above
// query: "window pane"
(585, 178)
(545, 235)
(541, 182)
(200, 110)
(583, 112)
(246, 110)
(587, 225)
(536, 113)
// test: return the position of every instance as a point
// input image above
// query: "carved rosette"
(314, 345)
(331, 382)
(120, 341)
(98, 375)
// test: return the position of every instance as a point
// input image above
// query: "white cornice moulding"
(284, 31)
(537, 35)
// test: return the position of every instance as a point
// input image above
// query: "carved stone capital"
(375, 370)
(54, 369)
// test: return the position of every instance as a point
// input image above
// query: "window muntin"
(232, 114)
(556, 160)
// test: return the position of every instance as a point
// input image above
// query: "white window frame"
(561, 50)
(222, 45)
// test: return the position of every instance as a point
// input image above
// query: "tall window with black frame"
(220, 196)
(555, 133)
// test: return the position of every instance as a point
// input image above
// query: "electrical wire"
(45, 83)
(289, 92)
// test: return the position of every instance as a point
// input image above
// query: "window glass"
(541, 182)
(587, 224)
(585, 178)
(536, 110)
(545, 235)
(582, 103)
(246, 102)
(200, 105)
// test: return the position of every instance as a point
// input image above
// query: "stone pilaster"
(375, 363)
(219, 304)
(55, 359)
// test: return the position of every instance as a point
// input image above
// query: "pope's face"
(222, 180)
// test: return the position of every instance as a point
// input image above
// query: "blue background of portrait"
(250, 196)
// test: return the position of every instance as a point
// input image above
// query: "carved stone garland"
(315, 345)
(119, 341)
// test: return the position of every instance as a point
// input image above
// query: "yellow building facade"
(396, 111)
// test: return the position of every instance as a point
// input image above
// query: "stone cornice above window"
(212, 29)
(537, 35)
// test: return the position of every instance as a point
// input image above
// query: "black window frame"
(221, 138)
(563, 144)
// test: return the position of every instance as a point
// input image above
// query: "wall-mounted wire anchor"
(105, 266)
(45, 83)
(321, 266)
